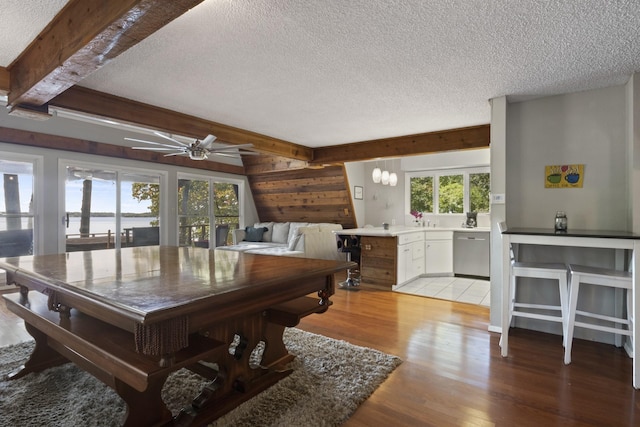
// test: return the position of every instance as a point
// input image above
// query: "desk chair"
(538, 270)
(599, 277)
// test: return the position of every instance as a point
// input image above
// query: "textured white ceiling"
(328, 72)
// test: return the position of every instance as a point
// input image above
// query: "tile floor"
(460, 289)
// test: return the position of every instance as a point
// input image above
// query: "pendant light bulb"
(393, 179)
(385, 177)
(376, 175)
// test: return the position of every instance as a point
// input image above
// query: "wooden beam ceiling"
(410, 145)
(4, 81)
(86, 34)
(101, 104)
(83, 37)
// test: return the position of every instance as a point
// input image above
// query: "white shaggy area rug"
(330, 379)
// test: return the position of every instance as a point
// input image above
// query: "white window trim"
(37, 163)
(436, 174)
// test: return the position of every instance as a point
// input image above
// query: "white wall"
(579, 128)
(589, 128)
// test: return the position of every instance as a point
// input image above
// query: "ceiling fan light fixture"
(197, 154)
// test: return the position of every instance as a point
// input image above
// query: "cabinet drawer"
(403, 239)
(379, 246)
(439, 235)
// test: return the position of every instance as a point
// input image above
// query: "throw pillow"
(280, 232)
(253, 234)
(267, 234)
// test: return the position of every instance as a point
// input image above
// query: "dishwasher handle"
(470, 238)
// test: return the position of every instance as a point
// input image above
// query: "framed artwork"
(357, 192)
(563, 176)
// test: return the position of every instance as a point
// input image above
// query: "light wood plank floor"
(453, 374)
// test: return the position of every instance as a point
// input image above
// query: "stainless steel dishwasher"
(471, 253)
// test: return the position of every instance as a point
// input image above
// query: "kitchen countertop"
(397, 230)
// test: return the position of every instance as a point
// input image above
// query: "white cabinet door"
(439, 257)
(404, 263)
(410, 260)
(417, 259)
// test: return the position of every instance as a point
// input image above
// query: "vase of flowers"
(418, 217)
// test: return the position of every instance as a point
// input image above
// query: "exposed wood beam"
(40, 140)
(410, 145)
(83, 37)
(104, 105)
(4, 81)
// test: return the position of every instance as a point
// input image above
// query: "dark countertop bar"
(610, 234)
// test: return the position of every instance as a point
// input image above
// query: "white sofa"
(298, 239)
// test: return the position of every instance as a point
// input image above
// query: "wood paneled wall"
(287, 190)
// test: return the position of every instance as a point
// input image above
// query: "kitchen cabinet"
(378, 261)
(410, 257)
(438, 253)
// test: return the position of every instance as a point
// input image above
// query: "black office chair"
(351, 246)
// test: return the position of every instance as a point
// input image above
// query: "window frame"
(119, 171)
(212, 218)
(37, 162)
(436, 174)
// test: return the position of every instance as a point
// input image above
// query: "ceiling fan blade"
(207, 141)
(248, 153)
(175, 154)
(156, 148)
(161, 135)
(152, 143)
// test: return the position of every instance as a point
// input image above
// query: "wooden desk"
(133, 316)
(572, 238)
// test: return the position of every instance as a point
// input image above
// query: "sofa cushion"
(254, 234)
(293, 229)
(280, 232)
(266, 237)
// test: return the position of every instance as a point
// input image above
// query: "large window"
(17, 209)
(448, 192)
(108, 207)
(206, 201)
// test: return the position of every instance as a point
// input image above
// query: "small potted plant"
(418, 217)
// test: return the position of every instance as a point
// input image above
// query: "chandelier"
(384, 177)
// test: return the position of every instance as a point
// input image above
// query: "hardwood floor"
(453, 374)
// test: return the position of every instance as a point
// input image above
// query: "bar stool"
(600, 277)
(538, 270)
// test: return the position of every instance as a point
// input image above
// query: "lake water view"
(100, 225)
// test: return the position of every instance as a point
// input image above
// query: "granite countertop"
(397, 230)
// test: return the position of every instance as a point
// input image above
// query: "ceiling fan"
(197, 150)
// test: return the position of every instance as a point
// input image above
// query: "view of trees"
(450, 193)
(422, 194)
(193, 205)
(479, 190)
